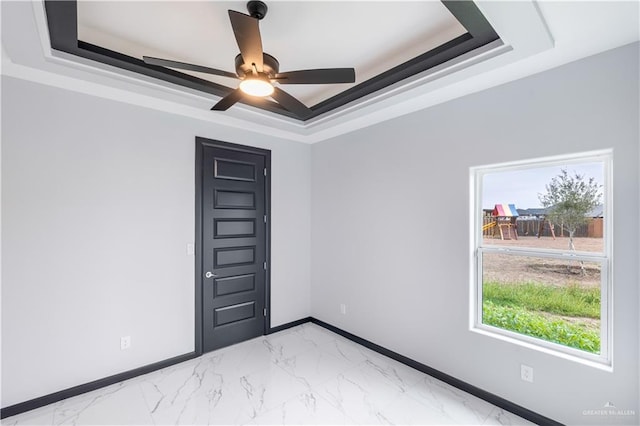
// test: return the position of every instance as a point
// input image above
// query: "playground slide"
(488, 226)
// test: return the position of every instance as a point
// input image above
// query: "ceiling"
(370, 36)
(386, 42)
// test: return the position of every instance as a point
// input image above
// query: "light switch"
(191, 250)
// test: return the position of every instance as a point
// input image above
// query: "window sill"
(496, 333)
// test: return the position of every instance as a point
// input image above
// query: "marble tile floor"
(303, 375)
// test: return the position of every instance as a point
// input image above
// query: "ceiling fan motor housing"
(270, 66)
(257, 9)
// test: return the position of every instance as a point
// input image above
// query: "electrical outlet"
(343, 309)
(125, 342)
(526, 373)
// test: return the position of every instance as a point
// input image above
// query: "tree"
(569, 198)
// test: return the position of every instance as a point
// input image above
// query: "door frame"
(201, 143)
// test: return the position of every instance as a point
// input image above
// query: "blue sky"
(521, 187)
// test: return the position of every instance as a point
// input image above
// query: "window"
(542, 254)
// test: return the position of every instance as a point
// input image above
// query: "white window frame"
(604, 358)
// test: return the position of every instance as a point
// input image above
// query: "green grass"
(558, 330)
(572, 301)
(537, 310)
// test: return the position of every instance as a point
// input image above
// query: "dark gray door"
(233, 246)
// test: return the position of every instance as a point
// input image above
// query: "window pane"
(557, 300)
(551, 207)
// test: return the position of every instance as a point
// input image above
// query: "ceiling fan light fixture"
(256, 87)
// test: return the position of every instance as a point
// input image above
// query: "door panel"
(234, 313)
(234, 228)
(235, 200)
(226, 257)
(234, 170)
(236, 284)
(234, 246)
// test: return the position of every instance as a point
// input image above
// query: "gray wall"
(390, 229)
(97, 210)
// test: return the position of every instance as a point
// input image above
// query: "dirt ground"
(508, 268)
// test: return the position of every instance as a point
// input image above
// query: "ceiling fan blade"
(184, 66)
(290, 103)
(224, 103)
(247, 33)
(318, 76)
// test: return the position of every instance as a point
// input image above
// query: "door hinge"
(264, 265)
(264, 218)
(265, 171)
(264, 312)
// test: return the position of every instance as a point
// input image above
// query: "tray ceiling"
(385, 42)
(371, 38)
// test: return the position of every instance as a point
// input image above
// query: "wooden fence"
(530, 226)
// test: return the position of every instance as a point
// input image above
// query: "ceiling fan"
(258, 71)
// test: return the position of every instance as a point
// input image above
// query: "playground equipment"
(504, 222)
(488, 226)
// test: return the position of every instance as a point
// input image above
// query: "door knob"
(210, 275)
